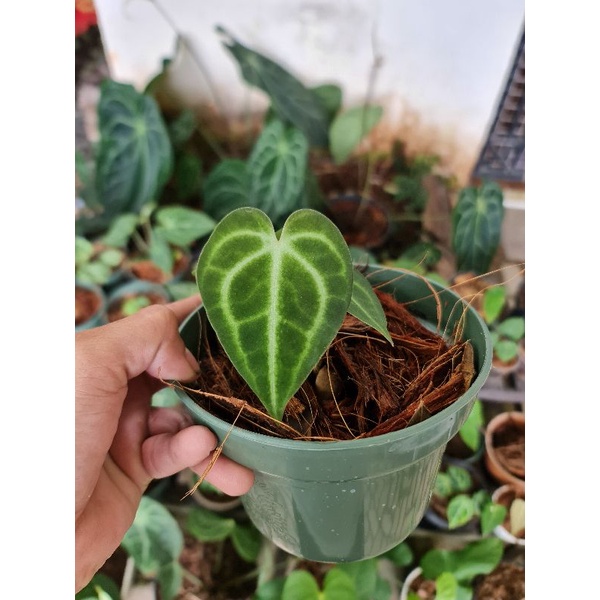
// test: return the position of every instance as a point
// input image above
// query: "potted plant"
(302, 279)
(460, 501)
(504, 454)
(132, 296)
(512, 529)
(96, 262)
(507, 332)
(451, 573)
(90, 305)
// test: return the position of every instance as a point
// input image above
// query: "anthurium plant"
(276, 299)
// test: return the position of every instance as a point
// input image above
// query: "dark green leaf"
(270, 590)
(476, 227)
(99, 584)
(208, 526)
(154, 539)
(226, 188)
(363, 575)
(247, 541)
(330, 96)
(275, 303)
(365, 306)
(436, 561)
(290, 99)
(277, 167)
(182, 128)
(187, 176)
(349, 128)
(134, 159)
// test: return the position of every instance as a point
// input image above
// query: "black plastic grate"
(503, 155)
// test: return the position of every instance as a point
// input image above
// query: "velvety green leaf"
(275, 302)
(277, 167)
(290, 99)
(446, 587)
(154, 539)
(247, 541)
(170, 578)
(471, 430)
(494, 299)
(476, 227)
(365, 305)
(492, 515)
(120, 231)
(134, 159)
(208, 526)
(226, 188)
(512, 328)
(477, 558)
(330, 96)
(338, 585)
(460, 511)
(300, 585)
(85, 171)
(181, 226)
(349, 128)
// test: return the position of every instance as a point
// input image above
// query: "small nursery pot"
(501, 424)
(89, 296)
(505, 495)
(351, 500)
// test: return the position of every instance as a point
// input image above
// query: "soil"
(505, 582)
(115, 311)
(370, 387)
(509, 445)
(219, 569)
(87, 304)
(149, 271)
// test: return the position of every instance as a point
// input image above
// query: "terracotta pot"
(505, 495)
(505, 463)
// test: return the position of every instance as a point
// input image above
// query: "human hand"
(121, 442)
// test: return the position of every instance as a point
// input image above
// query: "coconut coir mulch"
(362, 387)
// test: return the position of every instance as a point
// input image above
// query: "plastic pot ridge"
(351, 500)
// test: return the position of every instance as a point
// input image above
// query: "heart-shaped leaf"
(276, 301)
(135, 157)
(278, 169)
(226, 188)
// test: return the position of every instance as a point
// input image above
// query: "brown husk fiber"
(362, 387)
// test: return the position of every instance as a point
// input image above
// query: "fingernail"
(192, 361)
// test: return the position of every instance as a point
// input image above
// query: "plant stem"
(192, 578)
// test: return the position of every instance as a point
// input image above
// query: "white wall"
(444, 62)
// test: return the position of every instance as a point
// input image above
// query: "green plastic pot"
(351, 500)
